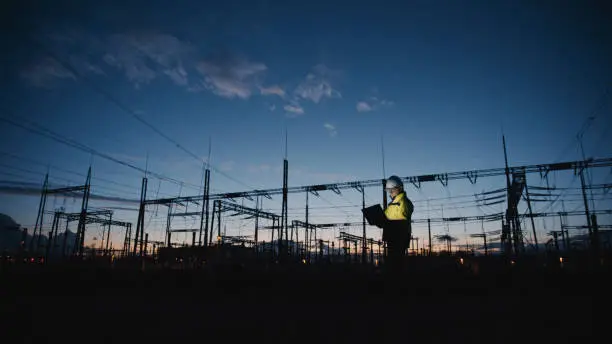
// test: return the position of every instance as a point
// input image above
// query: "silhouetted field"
(443, 301)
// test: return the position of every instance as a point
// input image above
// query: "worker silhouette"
(397, 230)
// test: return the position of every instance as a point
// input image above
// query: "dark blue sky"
(439, 80)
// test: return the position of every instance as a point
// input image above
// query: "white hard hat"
(394, 182)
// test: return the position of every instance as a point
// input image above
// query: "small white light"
(461, 260)
(560, 259)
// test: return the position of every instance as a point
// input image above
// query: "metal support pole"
(595, 241)
(24, 237)
(306, 229)
(206, 228)
(429, 232)
(55, 234)
(257, 221)
(507, 237)
(364, 246)
(586, 206)
(204, 213)
(141, 210)
(535, 237)
(371, 251)
(284, 214)
(212, 222)
(168, 225)
(126, 239)
(50, 241)
(83, 216)
(108, 233)
(41, 211)
(65, 239)
(218, 220)
(384, 183)
(484, 237)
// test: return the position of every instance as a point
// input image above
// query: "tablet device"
(374, 215)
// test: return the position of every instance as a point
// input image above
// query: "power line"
(74, 144)
(585, 125)
(66, 170)
(53, 167)
(128, 110)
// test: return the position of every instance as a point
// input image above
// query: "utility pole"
(484, 237)
(50, 241)
(256, 221)
(41, 211)
(364, 247)
(507, 237)
(284, 216)
(535, 237)
(204, 214)
(595, 234)
(141, 211)
(586, 204)
(564, 219)
(429, 232)
(110, 220)
(219, 220)
(83, 216)
(65, 239)
(384, 180)
(207, 193)
(168, 226)
(306, 229)
(126, 240)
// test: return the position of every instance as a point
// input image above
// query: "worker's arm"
(407, 209)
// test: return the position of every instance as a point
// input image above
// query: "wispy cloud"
(272, 90)
(145, 57)
(231, 77)
(294, 110)
(363, 107)
(45, 73)
(331, 129)
(373, 104)
(317, 85)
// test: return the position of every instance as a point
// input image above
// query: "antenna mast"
(209, 150)
(382, 146)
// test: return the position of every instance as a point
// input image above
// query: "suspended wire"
(590, 117)
(130, 111)
(94, 186)
(66, 141)
(67, 171)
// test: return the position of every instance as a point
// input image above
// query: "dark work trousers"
(396, 253)
(397, 236)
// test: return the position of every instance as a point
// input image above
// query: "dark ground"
(328, 303)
